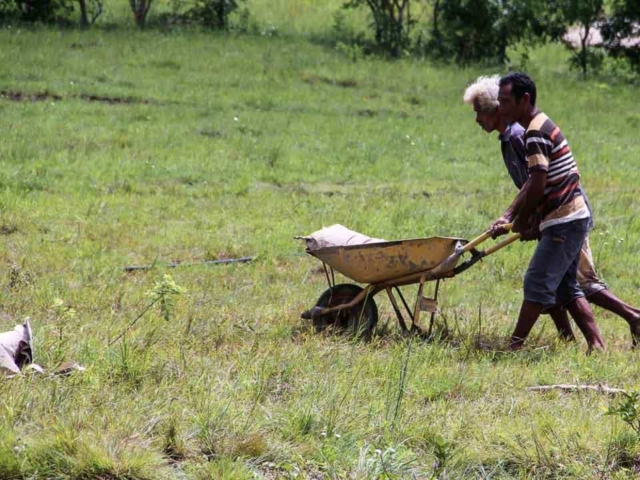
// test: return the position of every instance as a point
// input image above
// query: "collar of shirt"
(506, 136)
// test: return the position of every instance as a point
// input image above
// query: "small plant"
(163, 293)
(628, 411)
(443, 451)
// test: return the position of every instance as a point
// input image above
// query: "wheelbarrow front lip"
(378, 262)
(378, 244)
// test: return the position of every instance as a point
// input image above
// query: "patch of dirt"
(210, 133)
(79, 46)
(8, 229)
(367, 113)
(272, 471)
(17, 96)
(315, 79)
(112, 100)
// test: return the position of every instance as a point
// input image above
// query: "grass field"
(133, 148)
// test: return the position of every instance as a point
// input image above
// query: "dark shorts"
(551, 276)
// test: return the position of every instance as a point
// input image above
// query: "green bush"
(392, 22)
(473, 30)
(620, 29)
(212, 14)
(42, 11)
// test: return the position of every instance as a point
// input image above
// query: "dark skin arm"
(533, 193)
(509, 214)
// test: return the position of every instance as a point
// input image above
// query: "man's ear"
(526, 98)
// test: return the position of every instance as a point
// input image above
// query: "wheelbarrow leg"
(401, 321)
(418, 308)
(331, 281)
(433, 314)
(426, 305)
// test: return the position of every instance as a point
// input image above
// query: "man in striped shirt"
(483, 96)
(553, 192)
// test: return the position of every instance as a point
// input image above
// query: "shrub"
(621, 32)
(473, 30)
(392, 24)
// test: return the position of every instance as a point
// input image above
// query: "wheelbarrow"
(387, 266)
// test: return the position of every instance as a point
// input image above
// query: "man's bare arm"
(509, 214)
(532, 193)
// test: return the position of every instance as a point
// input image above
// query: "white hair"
(484, 92)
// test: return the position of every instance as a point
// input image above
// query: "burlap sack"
(336, 236)
(16, 349)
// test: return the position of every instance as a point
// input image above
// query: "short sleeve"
(538, 149)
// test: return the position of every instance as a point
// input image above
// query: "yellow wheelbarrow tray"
(386, 266)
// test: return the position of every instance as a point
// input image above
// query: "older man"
(483, 95)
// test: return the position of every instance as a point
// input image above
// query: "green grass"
(230, 146)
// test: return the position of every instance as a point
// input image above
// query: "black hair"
(521, 83)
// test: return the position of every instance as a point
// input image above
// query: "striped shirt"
(548, 151)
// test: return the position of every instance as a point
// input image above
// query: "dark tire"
(359, 320)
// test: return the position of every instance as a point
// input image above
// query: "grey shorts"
(552, 274)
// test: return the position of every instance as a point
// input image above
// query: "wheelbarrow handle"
(503, 243)
(481, 238)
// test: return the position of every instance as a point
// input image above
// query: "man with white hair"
(483, 96)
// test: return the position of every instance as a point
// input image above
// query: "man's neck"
(501, 126)
(528, 116)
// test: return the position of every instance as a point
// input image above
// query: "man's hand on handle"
(496, 227)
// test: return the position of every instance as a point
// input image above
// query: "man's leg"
(583, 315)
(607, 300)
(597, 292)
(561, 320)
(573, 237)
(529, 313)
(546, 269)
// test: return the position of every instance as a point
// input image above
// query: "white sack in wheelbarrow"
(336, 236)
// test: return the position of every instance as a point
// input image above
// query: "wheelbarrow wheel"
(359, 320)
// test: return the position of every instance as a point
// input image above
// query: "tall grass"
(151, 148)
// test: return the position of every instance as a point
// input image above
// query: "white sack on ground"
(16, 349)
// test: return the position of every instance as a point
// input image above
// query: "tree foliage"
(140, 9)
(43, 11)
(473, 30)
(212, 13)
(392, 23)
(621, 31)
(585, 14)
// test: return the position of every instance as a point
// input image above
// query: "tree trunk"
(84, 19)
(140, 10)
(583, 52)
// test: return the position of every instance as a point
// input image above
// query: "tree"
(140, 9)
(45, 11)
(585, 13)
(621, 32)
(392, 23)
(212, 13)
(88, 18)
(473, 30)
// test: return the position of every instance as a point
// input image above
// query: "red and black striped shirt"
(548, 150)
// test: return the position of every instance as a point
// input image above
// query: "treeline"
(462, 31)
(468, 31)
(213, 14)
